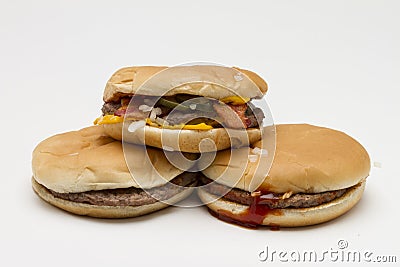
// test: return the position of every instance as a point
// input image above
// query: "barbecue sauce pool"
(252, 218)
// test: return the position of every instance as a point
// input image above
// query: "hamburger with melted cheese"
(176, 108)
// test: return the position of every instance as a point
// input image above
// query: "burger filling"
(184, 111)
(131, 196)
(272, 200)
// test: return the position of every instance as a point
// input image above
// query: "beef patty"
(131, 196)
(110, 108)
(273, 201)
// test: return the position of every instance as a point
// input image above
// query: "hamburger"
(177, 108)
(317, 174)
(84, 172)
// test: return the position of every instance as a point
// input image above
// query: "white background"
(331, 63)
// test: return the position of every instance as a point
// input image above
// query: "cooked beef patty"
(131, 196)
(273, 201)
(110, 108)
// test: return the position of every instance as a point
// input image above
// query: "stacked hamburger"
(152, 145)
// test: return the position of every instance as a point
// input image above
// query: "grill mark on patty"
(110, 108)
(131, 196)
(299, 200)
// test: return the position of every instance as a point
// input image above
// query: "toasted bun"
(203, 80)
(308, 159)
(105, 211)
(89, 159)
(290, 217)
(188, 140)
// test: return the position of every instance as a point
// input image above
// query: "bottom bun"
(289, 217)
(184, 140)
(105, 211)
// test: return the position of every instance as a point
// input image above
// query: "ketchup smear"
(251, 218)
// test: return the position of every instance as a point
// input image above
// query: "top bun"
(308, 159)
(203, 80)
(88, 159)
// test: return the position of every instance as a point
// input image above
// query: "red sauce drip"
(274, 227)
(251, 218)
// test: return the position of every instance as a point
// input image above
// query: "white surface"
(332, 63)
